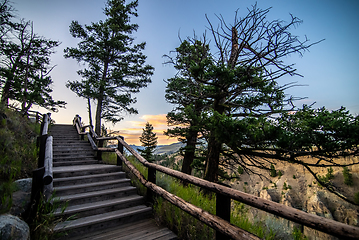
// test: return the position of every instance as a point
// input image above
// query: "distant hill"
(163, 149)
(169, 149)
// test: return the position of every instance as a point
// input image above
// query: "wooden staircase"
(101, 202)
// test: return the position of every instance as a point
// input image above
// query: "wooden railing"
(35, 114)
(42, 176)
(221, 221)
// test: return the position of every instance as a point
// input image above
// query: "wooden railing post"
(151, 177)
(37, 189)
(82, 135)
(120, 149)
(42, 143)
(223, 210)
(37, 117)
(99, 153)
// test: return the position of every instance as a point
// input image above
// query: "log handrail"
(42, 176)
(48, 175)
(310, 220)
(35, 114)
(322, 224)
(211, 220)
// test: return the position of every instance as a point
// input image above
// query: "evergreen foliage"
(348, 178)
(115, 66)
(25, 65)
(233, 82)
(228, 94)
(273, 172)
(149, 141)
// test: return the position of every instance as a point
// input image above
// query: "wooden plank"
(119, 231)
(104, 149)
(48, 176)
(310, 220)
(93, 144)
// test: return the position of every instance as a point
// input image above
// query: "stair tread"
(85, 185)
(94, 205)
(56, 180)
(74, 157)
(89, 160)
(85, 221)
(83, 168)
(94, 193)
(147, 228)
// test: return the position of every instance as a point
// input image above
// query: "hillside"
(17, 150)
(162, 149)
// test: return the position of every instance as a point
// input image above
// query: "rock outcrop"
(12, 227)
(21, 197)
(316, 206)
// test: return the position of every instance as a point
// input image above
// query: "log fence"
(42, 177)
(221, 221)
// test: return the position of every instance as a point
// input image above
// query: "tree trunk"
(6, 92)
(212, 161)
(89, 110)
(5, 95)
(100, 99)
(98, 115)
(190, 152)
(214, 147)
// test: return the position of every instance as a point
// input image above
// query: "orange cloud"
(159, 123)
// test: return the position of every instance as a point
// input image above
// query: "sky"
(329, 68)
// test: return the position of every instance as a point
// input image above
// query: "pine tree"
(149, 141)
(237, 79)
(115, 66)
(25, 65)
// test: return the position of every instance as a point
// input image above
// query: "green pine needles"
(149, 141)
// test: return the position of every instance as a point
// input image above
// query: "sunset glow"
(159, 123)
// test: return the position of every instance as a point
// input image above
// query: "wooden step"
(90, 187)
(72, 148)
(71, 154)
(96, 196)
(72, 171)
(73, 163)
(103, 221)
(74, 158)
(145, 229)
(88, 178)
(94, 208)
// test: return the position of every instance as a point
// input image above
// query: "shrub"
(325, 179)
(18, 152)
(330, 173)
(273, 172)
(356, 198)
(240, 170)
(298, 235)
(348, 178)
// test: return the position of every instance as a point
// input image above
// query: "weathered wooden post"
(99, 153)
(223, 210)
(37, 117)
(120, 149)
(83, 129)
(151, 177)
(36, 190)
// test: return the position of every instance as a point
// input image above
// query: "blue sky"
(329, 68)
